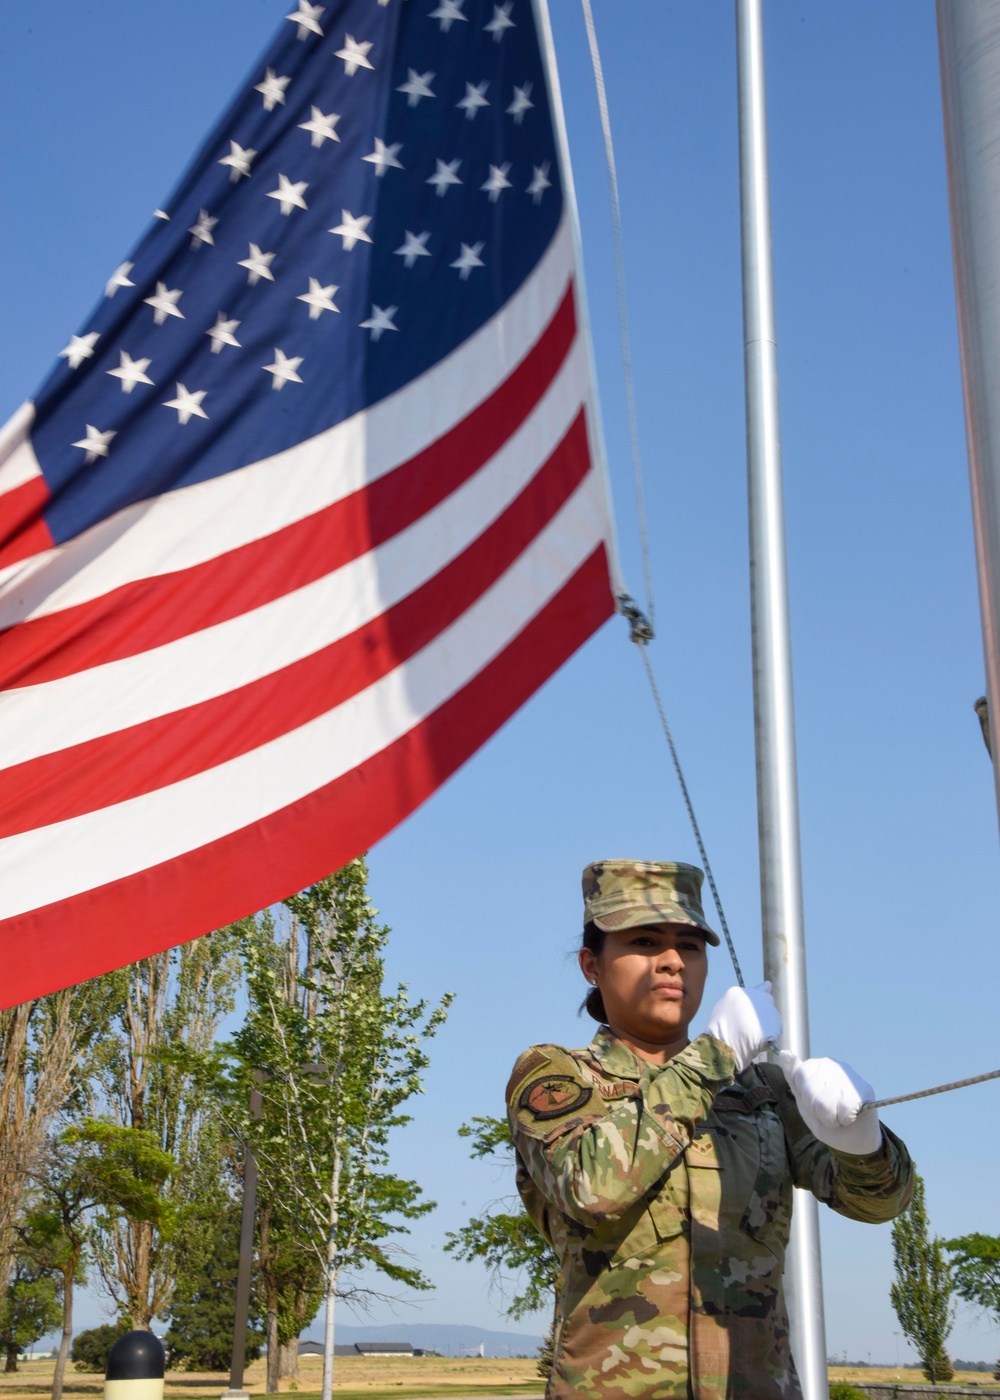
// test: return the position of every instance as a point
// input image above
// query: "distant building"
(365, 1349)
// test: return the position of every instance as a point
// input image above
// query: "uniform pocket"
(768, 1214)
(632, 1236)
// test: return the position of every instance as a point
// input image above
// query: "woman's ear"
(588, 965)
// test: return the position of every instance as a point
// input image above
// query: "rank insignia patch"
(554, 1096)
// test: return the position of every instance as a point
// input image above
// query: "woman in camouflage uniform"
(661, 1169)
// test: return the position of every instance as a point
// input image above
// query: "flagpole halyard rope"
(690, 811)
(623, 330)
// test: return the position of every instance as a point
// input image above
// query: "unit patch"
(554, 1096)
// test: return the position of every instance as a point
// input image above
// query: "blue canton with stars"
(385, 184)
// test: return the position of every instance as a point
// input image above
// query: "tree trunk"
(328, 1337)
(11, 1356)
(288, 1359)
(67, 1334)
(273, 1345)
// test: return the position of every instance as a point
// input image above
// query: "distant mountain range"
(450, 1339)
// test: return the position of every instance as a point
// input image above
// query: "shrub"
(840, 1390)
(90, 1348)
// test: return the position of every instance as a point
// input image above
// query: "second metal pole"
(774, 718)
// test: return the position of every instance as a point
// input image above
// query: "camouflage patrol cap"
(621, 894)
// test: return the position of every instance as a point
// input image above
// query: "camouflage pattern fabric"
(666, 1192)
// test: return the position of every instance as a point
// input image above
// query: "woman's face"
(651, 980)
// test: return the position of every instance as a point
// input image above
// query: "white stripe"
(85, 852)
(183, 528)
(44, 718)
(18, 462)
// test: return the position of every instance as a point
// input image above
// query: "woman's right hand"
(747, 1020)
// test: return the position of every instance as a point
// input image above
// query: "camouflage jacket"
(666, 1193)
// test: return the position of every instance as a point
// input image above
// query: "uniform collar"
(615, 1056)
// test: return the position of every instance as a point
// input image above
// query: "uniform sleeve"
(872, 1188)
(592, 1160)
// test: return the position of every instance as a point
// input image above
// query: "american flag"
(313, 501)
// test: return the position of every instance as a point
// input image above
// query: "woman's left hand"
(832, 1099)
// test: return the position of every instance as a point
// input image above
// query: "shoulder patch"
(539, 1061)
(553, 1096)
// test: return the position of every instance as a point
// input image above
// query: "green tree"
(976, 1272)
(126, 1173)
(340, 1057)
(290, 1287)
(28, 1309)
(204, 1303)
(922, 1292)
(48, 1050)
(55, 1234)
(504, 1239)
(91, 1347)
(151, 1078)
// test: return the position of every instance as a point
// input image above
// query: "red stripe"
(167, 904)
(125, 764)
(23, 530)
(153, 612)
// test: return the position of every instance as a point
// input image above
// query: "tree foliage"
(505, 1239)
(922, 1292)
(28, 1309)
(150, 1079)
(339, 1056)
(91, 1347)
(47, 1057)
(203, 1310)
(976, 1273)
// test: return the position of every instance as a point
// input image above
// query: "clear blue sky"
(103, 104)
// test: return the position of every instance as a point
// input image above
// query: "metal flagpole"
(969, 41)
(774, 720)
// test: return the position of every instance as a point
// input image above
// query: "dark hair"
(593, 1002)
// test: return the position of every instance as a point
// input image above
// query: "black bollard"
(135, 1368)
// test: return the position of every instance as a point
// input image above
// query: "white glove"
(831, 1099)
(746, 1020)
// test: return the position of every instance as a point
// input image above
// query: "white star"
(202, 229)
(222, 333)
(474, 99)
(307, 18)
(352, 230)
(380, 320)
(258, 265)
(468, 259)
(448, 12)
(283, 369)
(130, 372)
(540, 182)
(239, 160)
(501, 20)
(521, 103)
(417, 85)
(272, 89)
(355, 55)
(164, 303)
(95, 444)
(498, 181)
(445, 175)
(80, 348)
(118, 278)
(161, 214)
(414, 247)
(319, 299)
(187, 404)
(320, 126)
(384, 157)
(290, 195)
